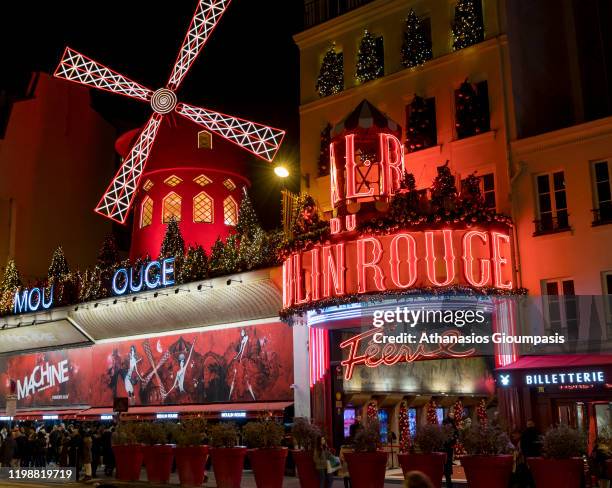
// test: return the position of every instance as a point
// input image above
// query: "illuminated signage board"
(233, 415)
(165, 416)
(557, 378)
(32, 300)
(149, 276)
(50, 417)
(4, 418)
(106, 417)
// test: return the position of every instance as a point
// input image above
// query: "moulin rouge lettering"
(42, 377)
(389, 354)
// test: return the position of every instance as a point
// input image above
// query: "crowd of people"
(86, 447)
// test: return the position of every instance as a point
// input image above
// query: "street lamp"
(281, 171)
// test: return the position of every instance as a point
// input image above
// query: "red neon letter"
(333, 175)
(392, 162)
(288, 282)
(299, 282)
(335, 225)
(315, 273)
(468, 259)
(333, 270)
(350, 222)
(449, 258)
(499, 260)
(362, 264)
(349, 151)
(411, 259)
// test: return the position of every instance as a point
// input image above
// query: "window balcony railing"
(602, 215)
(318, 11)
(551, 225)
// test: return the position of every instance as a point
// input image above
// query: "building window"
(202, 180)
(421, 131)
(172, 208)
(487, 190)
(147, 185)
(204, 140)
(607, 292)
(229, 184)
(230, 211)
(146, 212)
(552, 203)
(561, 307)
(602, 212)
(203, 208)
(172, 180)
(472, 109)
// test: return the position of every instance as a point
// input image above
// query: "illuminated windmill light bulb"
(281, 171)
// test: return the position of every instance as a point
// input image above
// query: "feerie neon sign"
(433, 258)
(154, 274)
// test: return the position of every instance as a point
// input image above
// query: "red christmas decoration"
(404, 428)
(459, 423)
(372, 411)
(432, 417)
(481, 413)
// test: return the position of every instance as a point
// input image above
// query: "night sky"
(248, 68)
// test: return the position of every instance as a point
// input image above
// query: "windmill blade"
(117, 200)
(261, 140)
(78, 68)
(205, 19)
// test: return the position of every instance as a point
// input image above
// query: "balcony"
(602, 215)
(551, 225)
(318, 11)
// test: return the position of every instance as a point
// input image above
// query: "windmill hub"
(163, 101)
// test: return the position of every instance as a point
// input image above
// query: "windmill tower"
(137, 148)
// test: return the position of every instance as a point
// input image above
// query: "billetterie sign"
(148, 276)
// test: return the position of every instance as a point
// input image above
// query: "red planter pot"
(487, 471)
(158, 462)
(367, 469)
(609, 469)
(556, 472)
(128, 460)
(306, 471)
(431, 464)
(268, 466)
(191, 464)
(228, 463)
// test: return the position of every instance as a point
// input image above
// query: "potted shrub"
(191, 453)
(304, 436)
(562, 464)
(367, 465)
(266, 454)
(158, 454)
(488, 463)
(227, 458)
(128, 452)
(427, 455)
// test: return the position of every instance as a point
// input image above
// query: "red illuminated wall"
(176, 153)
(215, 370)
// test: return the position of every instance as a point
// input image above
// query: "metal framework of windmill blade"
(261, 140)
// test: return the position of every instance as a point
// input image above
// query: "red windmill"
(261, 140)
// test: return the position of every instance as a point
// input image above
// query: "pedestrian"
(40, 449)
(531, 443)
(96, 450)
(343, 472)
(321, 457)
(86, 456)
(107, 451)
(449, 446)
(64, 454)
(417, 479)
(7, 451)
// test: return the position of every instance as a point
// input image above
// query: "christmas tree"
(230, 257)
(59, 266)
(443, 190)
(323, 168)
(331, 74)
(471, 115)
(419, 131)
(471, 195)
(11, 282)
(458, 411)
(248, 223)
(369, 63)
(216, 254)
(108, 256)
(481, 413)
(468, 28)
(404, 428)
(431, 416)
(416, 49)
(307, 216)
(372, 411)
(173, 244)
(195, 265)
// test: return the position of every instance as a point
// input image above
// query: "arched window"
(146, 212)
(230, 211)
(229, 184)
(172, 208)
(203, 208)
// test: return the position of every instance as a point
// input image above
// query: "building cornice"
(562, 137)
(363, 91)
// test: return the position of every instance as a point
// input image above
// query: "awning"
(559, 361)
(211, 408)
(66, 413)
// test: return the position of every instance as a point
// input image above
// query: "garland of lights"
(372, 411)
(404, 428)
(459, 424)
(431, 415)
(481, 413)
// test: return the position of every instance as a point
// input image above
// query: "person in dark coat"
(531, 444)
(96, 450)
(7, 451)
(449, 446)
(107, 451)
(40, 449)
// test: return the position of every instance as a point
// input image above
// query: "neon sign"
(431, 258)
(563, 378)
(149, 276)
(388, 354)
(32, 300)
(233, 415)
